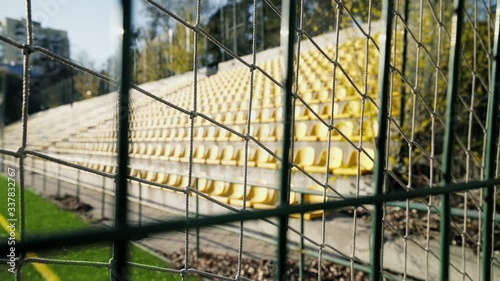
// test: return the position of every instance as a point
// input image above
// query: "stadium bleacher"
(160, 135)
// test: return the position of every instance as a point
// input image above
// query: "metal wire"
(392, 76)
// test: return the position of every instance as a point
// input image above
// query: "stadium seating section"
(85, 133)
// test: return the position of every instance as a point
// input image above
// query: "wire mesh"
(351, 120)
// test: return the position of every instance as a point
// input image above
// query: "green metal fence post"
(58, 181)
(103, 197)
(140, 204)
(288, 13)
(403, 149)
(384, 88)
(32, 171)
(302, 255)
(197, 216)
(449, 134)
(403, 68)
(119, 270)
(491, 146)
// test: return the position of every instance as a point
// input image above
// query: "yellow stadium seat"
(135, 149)
(164, 134)
(162, 178)
(218, 117)
(264, 133)
(173, 180)
(182, 133)
(151, 176)
(183, 121)
(213, 155)
(185, 154)
(267, 102)
(240, 157)
(243, 105)
(322, 97)
(177, 153)
(166, 153)
(350, 168)
(260, 156)
(370, 130)
(203, 185)
(150, 151)
(234, 106)
(278, 101)
(307, 97)
(314, 199)
(159, 150)
(141, 150)
(265, 116)
(228, 119)
(271, 162)
(234, 137)
(305, 113)
(172, 133)
(342, 94)
(153, 134)
(346, 127)
(263, 195)
(273, 202)
(199, 155)
(336, 156)
(236, 196)
(269, 195)
(211, 133)
(304, 157)
(326, 112)
(222, 135)
(183, 182)
(199, 134)
(142, 174)
(241, 117)
(277, 132)
(109, 169)
(219, 188)
(132, 172)
(226, 156)
(318, 131)
(300, 130)
(351, 109)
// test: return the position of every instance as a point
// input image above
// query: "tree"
(85, 84)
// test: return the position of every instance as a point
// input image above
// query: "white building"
(54, 40)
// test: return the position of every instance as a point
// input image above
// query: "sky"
(92, 25)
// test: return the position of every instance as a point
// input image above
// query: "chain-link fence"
(367, 139)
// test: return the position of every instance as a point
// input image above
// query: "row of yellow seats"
(305, 158)
(257, 197)
(349, 110)
(95, 148)
(303, 132)
(342, 131)
(224, 192)
(106, 168)
(263, 133)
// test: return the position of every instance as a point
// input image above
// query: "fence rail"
(419, 74)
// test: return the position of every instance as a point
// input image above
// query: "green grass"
(43, 216)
